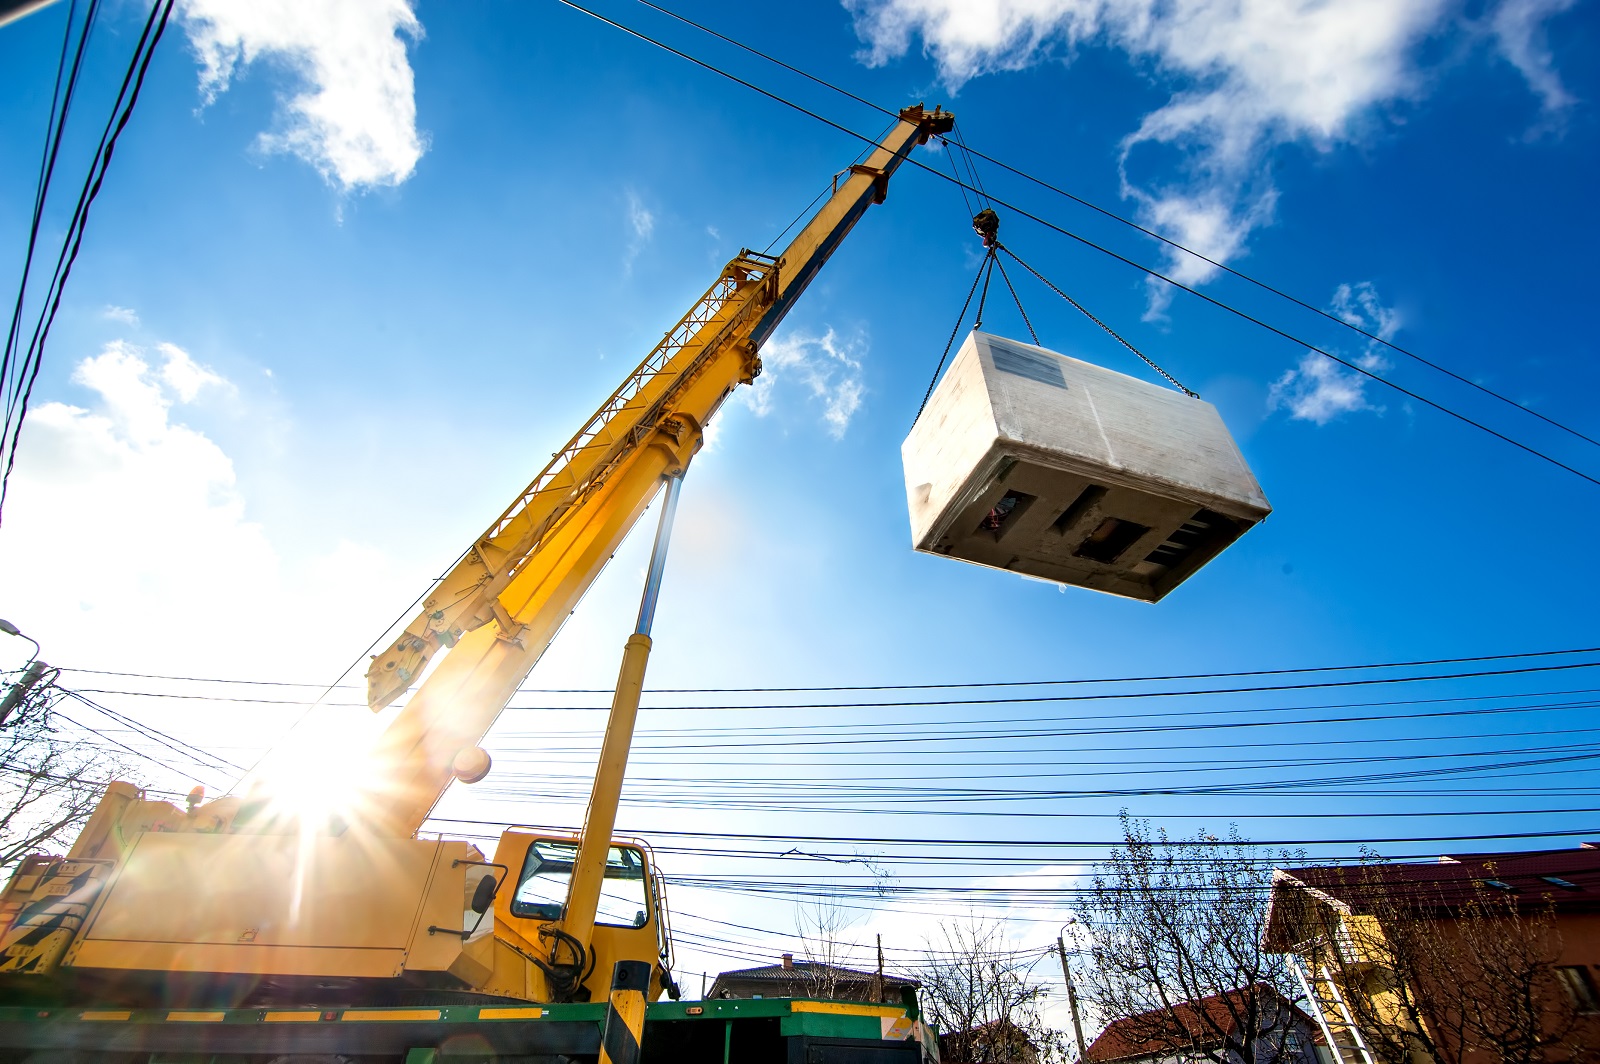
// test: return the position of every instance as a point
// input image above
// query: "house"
(1286, 1034)
(809, 979)
(1468, 959)
(996, 1042)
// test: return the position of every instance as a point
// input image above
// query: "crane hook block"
(986, 223)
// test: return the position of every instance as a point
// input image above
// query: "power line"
(55, 128)
(1105, 212)
(1287, 671)
(1148, 270)
(16, 407)
(178, 746)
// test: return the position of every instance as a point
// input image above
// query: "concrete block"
(1027, 460)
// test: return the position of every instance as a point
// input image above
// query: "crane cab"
(630, 922)
(1028, 460)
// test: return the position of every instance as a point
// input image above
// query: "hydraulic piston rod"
(588, 871)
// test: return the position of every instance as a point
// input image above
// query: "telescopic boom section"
(499, 607)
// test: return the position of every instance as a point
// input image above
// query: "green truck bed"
(742, 1031)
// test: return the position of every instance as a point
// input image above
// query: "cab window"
(547, 873)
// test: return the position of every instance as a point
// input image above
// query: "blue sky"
(356, 273)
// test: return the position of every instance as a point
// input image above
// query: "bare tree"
(48, 784)
(1175, 921)
(1452, 972)
(982, 996)
(821, 926)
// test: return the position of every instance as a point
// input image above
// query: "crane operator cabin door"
(627, 921)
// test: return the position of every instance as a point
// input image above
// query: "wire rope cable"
(1118, 337)
(1018, 300)
(1130, 223)
(954, 332)
(1086, 242)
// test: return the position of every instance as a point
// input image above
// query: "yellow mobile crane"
(232, 907)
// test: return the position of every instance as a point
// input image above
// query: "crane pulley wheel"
(986, 223)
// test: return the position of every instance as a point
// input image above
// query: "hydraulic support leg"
(588, 873)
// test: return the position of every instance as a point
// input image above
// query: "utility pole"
(877, 984)
(1072, 998)
(30, 676)
(21, 689)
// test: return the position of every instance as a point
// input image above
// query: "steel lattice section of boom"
(498, 608)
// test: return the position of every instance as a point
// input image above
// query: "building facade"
(1469, 959)
(807, 979)
(1207, 1030)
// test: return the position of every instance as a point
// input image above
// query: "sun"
(318, 774)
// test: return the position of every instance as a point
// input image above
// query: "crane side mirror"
(483, 895)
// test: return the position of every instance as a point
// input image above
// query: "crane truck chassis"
(237, 931)
(781, 1031)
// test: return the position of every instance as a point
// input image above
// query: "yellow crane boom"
(227, 902)
(498, 608)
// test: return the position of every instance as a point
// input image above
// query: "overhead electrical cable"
(914, 727)
(198, 756)
(55, 128)
(1237, 674)
(1085, 241)
(1354, 326)
(1047, 843)
(27, 369)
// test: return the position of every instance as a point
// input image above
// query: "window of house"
(1564, 884)
(1500, 884)
(547, 874)
(1580, 987)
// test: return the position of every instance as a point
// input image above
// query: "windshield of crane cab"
(547, 873)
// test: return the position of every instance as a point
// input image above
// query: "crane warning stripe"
(292, 1017)
(103, 1015)
(843, 1008)
(510, 1014)
(197, 1017)
(391, 1014)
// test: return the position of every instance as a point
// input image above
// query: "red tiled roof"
(1121, 1040)
(1566, 879)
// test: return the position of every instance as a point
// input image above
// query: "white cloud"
(640, 219)
(825, 366)
(1248, 78)
(641, 224)
(1519, 32)
(125, 315)
(186, 377)
(133, 499)
(1318, 389)
(1209, 221)
(1359, 305)
(127, 541)
(355, 118)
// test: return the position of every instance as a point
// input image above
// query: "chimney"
(788, 960)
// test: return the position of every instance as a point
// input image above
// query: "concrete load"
(1027, 460)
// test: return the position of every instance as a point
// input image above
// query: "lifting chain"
(986, 223)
